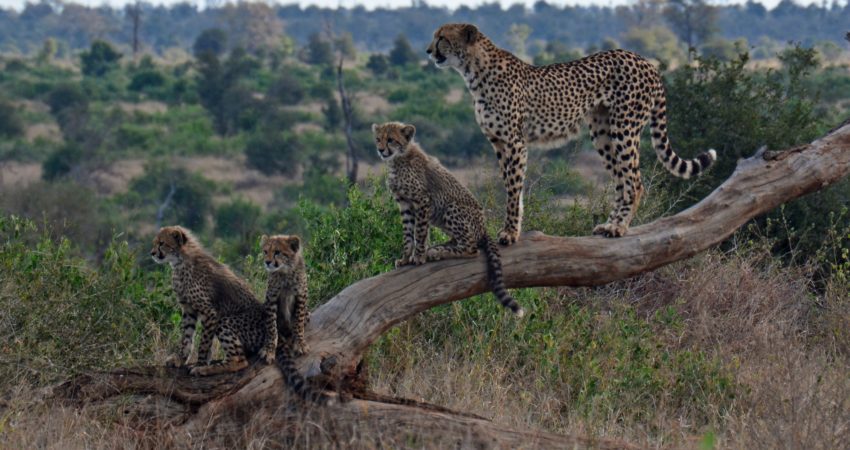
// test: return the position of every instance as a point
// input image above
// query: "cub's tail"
(494, 274)
(683, 168)
(285, 360)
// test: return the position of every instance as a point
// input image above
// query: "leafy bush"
(62, 161)
(11, 125)
(61, 317)
(273, 152)
(146, 79)
(211, 40)
(99, 59)
(237, 218)
(185, 198)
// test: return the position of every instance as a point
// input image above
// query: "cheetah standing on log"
(427, 194)
(209, 291)
(518, 105)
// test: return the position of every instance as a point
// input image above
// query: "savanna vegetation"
(228, 121)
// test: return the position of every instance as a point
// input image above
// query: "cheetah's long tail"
(285, 360)
(494, 274)
(683, 168)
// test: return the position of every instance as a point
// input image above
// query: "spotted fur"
(428, 194)
(209, 292)
(519, 105)
(287, 291)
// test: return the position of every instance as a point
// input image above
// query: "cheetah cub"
(287, 295)
(428, 194)
(209, 291)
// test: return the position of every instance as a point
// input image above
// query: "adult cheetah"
(519, 105)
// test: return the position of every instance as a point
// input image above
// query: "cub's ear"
(179, 236)
(264, 239)
(470, 33)
(295, 243)
(374, 128)
(408, 131)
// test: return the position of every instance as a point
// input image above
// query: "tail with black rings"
(494, 275)
(285, 360)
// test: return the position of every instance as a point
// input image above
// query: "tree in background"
(378, 63)
(237, 218)
(402, 53)
(134, 14)
(232, 106)
(252, 26)
(693, 21)
(344, 44)
(656, 42)
(47, 52)
(211, 40)
(318, 51)
(11, 125)
(518, 37)
(99, 59)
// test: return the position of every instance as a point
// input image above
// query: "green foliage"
(11, 125)
(287, 89)
(555, 52)
(67, 96)
(99, 59)
(184, 198)
(237, 218)
(655, 42)
(231, 104)
(61, 317)
(351, 243)
(211, 40)
(319, 51)
(62, 161)
(378, 63)
(146, 79)
(402, 53)
(270, 152)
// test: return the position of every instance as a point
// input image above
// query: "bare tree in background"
(134, 13)
(351, 161)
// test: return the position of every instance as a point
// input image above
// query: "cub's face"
(167, 245)
(451, 44)
(392, 138)
(280, 252)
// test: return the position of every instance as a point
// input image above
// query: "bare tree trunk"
(341, 329)
(135, 14)
(351, 162)
(163, 207)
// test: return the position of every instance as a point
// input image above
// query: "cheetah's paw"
(508, 237)
(610, 230)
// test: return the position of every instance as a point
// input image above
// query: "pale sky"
(370, 4)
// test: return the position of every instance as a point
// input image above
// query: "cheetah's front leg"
(512, 161)
(420, 232)
(407, 222)
(188, 325)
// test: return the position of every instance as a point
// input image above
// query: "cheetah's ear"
(470, 33)
(408, 131)
(374, 128)
(295, 243)
(264, 239)
(179, 236)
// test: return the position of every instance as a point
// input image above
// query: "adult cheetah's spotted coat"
(518, 105)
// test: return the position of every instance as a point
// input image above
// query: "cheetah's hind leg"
(234, 355)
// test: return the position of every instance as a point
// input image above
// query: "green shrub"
(99, 59)
(185, 198)
(237, 218)
(146, 79)
(61, 317)
(11, 125)
(62, 161)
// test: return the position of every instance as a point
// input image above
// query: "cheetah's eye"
(277, 252)
(392, 141)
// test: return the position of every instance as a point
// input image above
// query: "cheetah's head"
(392, 138)
(280, 252)
(168, 243)
(452, 43)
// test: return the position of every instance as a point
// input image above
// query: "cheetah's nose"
(428, 50)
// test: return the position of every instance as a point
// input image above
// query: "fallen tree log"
(341, 329)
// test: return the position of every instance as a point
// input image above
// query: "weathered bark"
(341, 329)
